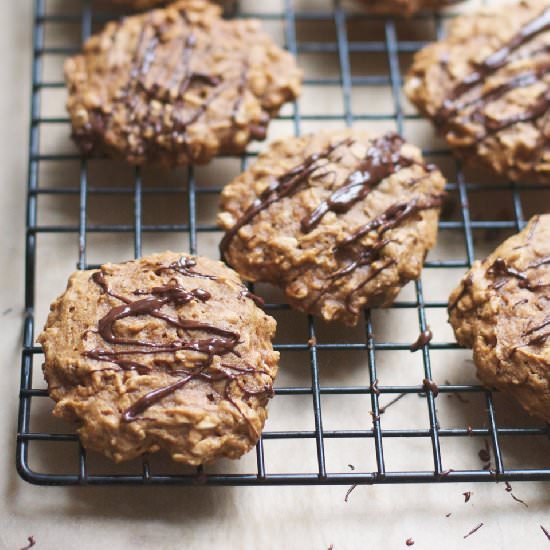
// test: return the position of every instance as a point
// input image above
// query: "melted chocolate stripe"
(283, 186)
(222, 344)
(391, 217)
(499, 58)
(521, 80)
(499, 268)
(382, 159)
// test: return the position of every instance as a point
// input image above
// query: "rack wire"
(465, 223)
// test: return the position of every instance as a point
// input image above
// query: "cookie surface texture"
(487, 89)
(339, 220)
(169, 352)
(501, 309)
(177, 85)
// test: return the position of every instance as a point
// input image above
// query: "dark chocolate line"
(283, 186)
(223, 343)
(382, 159)
(500, 57)
(391, 217)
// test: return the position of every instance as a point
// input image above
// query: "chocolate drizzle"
(382, 159)
(451, 106)
(392, 217)
(283, 186)
(367, 255)
(222, 342)
(501, 272)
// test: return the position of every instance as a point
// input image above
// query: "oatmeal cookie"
(177, 85)
(169, 352)
(339, 220)
(487, 88)
(501, 309)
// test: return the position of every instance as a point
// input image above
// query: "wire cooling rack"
(370, 54)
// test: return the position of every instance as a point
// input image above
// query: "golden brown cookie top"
(169, 351)
(177, 85)
(339, 220)
(487, 88)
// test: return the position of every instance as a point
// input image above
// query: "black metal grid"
(391, 48)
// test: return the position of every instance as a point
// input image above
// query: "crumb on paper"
(475, 529)
(30, 544)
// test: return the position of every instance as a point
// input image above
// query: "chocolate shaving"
(349, 491)
(467, 495)
(476, 528)
(30, 544)
(545, 532)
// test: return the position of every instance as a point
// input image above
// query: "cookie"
(169, 352)
(487, 88)
(339, 220)
(177, 85)
(405, 7)
(501, 309)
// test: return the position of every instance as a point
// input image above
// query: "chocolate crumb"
(476, 528)
(374, 387)
(467, 495)
(519, 500)
(445, 473)
(545, 532)
(409, 542)
(448, 515)
(30, 544)
(423, 338)
(351, 466)
(484, 454)
(431, 385)
(331, 547)
(312, 342)
(349, 492)
(469, 429)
